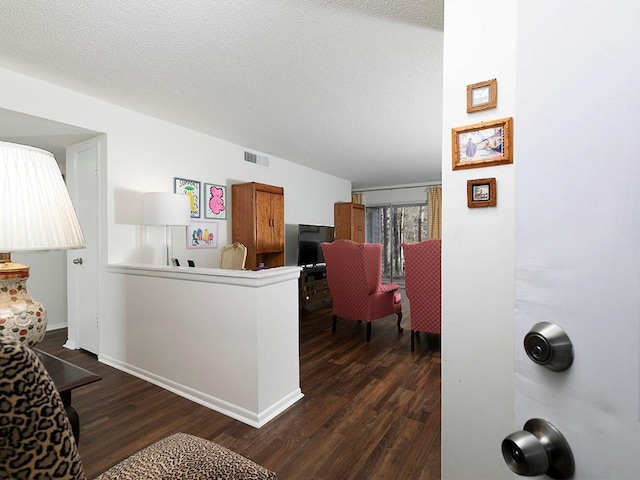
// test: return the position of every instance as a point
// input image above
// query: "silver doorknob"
(77, 261)
(538, 450)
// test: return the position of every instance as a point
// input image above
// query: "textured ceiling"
(349, 87)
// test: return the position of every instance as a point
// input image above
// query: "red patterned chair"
(354, 276)
(422, 277)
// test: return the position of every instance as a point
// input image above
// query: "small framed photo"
(483, 144)
(482, 193)
(202, 235)
(215, 197)
(191, 188)
(482, 95)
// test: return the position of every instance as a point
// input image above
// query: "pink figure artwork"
(216, 202)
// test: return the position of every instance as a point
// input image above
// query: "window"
(393, 225)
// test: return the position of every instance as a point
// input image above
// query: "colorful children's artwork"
(216, 201)
(202, 235)
(191, 188)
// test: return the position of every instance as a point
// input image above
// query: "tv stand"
(314, 291)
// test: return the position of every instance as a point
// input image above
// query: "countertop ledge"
(248, 278)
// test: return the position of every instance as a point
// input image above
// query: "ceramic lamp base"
(20, 315)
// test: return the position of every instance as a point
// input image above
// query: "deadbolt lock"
(548, 345)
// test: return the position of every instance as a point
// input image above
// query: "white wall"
(47, 283)
(477, 251)
(144, 154)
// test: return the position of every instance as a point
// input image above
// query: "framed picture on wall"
(191, 188)
(483, 144)
(215, 198)
(482, 95)
(202, 235)
(482, 193)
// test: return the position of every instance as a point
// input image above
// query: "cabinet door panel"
(264, 219)
(358, 225)
(349, 220)
(277, 230)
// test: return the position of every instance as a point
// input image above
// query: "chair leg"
(368, 331)
(412, 340)
(334, 323)
(399, 320)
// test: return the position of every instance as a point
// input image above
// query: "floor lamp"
(36, 214)
(166, 209)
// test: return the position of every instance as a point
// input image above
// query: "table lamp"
(166, 209)
(36, 214)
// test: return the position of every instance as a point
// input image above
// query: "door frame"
(74, 288)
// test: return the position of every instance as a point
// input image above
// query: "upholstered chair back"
(354, 276)
(422, 273)
(36, 440)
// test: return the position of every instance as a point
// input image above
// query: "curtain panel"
(434, 204)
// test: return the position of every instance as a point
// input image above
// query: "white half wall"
(227, 339)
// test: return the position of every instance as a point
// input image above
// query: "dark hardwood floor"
(370, 411)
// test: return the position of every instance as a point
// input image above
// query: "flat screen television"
(309, 239)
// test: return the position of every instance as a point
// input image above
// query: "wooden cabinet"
(314, 290)
(349, 221)
(270, 221)
(258, 222)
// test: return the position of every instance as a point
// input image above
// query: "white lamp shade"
(160, 208)
(36, 212)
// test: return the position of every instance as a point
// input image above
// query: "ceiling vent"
(255, 158)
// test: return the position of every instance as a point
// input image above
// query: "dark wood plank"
(371, 410)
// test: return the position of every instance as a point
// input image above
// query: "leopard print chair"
(36, 440)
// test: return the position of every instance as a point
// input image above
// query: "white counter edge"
(246, 278)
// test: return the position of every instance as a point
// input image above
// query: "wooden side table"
(67, 376)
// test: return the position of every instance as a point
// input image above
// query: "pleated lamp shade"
(36, 212)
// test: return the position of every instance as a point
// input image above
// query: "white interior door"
(577, 229)
(83, 266)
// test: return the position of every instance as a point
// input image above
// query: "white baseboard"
(254, 419)
(277, 408)
(70, 345)
(56, 326)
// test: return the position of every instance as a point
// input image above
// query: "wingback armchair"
(36, 440)
(422, 277)
(354, 276)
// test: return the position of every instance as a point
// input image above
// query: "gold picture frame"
(482, 95)
(483, 144)
(482, 192)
